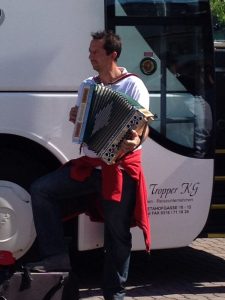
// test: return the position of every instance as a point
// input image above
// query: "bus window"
(169, 38)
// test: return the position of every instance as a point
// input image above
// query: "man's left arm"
(139, 92)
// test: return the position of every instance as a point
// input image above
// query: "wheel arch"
(17, 151)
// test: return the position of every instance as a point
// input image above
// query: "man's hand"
(133, 141)
(130, 144)
(73, 114)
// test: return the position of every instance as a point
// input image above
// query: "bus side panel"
(41, 117)
(179, 197)
(44, 44)
(178, 200)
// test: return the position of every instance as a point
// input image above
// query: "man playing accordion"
(120, 187)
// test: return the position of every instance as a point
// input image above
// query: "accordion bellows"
(105, 117)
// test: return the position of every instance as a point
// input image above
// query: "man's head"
(111, 41)
(105, 48)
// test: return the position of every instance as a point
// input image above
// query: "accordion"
(104, 118)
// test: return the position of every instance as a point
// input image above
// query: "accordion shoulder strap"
(123, 76)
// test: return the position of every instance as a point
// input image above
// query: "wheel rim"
(17, 231)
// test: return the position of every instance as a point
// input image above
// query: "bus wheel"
(16, 219)
(21, 163)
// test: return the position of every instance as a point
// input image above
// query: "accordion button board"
(105, 118)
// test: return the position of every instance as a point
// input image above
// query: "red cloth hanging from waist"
(112, 184)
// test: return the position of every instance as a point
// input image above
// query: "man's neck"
(110, 76)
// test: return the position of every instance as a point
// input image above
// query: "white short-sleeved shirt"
(132, 85)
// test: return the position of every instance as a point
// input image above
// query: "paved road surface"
(194, 272)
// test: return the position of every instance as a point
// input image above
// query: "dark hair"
(112, 41)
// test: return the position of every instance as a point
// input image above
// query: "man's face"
(97, 55)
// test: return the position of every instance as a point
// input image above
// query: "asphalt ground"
(194, 272)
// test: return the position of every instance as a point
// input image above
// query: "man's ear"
(114, 55)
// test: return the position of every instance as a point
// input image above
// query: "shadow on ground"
(163, 272)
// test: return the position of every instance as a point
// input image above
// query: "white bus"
(44, 58)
